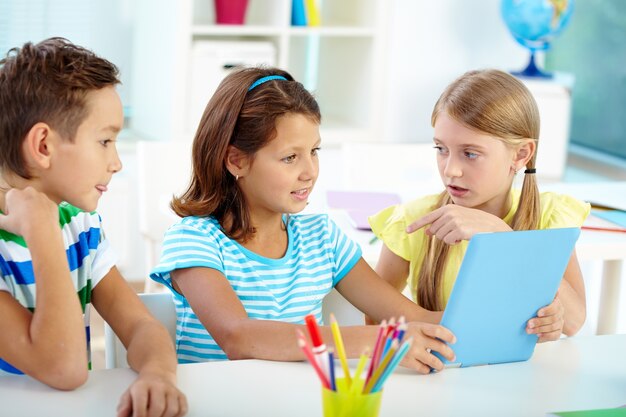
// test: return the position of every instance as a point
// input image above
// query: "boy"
(58, 126)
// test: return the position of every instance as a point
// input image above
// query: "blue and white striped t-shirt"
(318, 256)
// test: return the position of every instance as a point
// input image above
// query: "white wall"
(432, 43)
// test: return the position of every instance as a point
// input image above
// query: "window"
(593, 48)
(105, 27)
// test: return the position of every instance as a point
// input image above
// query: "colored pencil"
(319, 347)
(358, 373)
(395, 361)
(309, 355)
(401, 330)
(603, 229)
(341, 351)
(381, 368)
(388, 338)
(377, 347)
(331, 371)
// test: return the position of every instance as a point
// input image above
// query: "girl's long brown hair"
(498, 104)
(246, 120)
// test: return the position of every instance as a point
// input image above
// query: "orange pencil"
(603, 229)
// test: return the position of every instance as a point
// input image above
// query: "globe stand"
(532, 70)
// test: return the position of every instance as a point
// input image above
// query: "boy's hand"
(426, 338)
(548, 324)
(452, 223)
(152, 395)
(28, 210)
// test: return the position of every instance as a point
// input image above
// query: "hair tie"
(530, 171)
(266, 79)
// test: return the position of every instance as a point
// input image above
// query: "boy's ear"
(37, 146)
(524, 153)
(237, 162)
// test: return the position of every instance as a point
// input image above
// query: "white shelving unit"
(341, 61)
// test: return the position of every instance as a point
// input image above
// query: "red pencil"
(319, 348)
(382, 331)
(309, 355)
(603, 229)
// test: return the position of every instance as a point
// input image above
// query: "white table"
(570, 374)
(608, 247)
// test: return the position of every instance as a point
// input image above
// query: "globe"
(534, 24)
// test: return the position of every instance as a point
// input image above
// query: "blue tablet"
(504, 279)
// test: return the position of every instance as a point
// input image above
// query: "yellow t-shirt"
(390, 224)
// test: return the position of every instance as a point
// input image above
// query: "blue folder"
(504, 279)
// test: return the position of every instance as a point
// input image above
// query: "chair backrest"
(407, 168)
(161, 306)
(164, 170)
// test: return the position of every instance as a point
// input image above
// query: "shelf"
(332, 31)
(235, 30)
(341, 62)
(247, 30)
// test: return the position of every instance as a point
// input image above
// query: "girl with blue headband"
(243, 267)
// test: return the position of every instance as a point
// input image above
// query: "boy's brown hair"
(46, 82)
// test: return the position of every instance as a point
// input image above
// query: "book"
(312, 12)
(617, 217)
(361, 204)
(605, 412)
(298, 15)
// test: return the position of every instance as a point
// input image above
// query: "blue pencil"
(387, 345)
(395, 361)
(331, 373)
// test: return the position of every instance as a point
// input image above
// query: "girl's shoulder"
(561, 210)
(195, 225)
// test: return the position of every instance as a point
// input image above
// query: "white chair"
(164, 170)
(161, 306)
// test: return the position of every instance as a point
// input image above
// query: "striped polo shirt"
(88, 255)
(318, 256)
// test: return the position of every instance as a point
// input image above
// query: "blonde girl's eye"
(471, 155)
(105, 142)
(315, 151)
(440, 149)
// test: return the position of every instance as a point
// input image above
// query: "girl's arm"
(395, 270)
(150, 351)
(219, 309)
(567, 313)
(391, 302)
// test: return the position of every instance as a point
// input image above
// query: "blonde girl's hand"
(452, 223)
(548, 324)
(27, 211)
(426, 339)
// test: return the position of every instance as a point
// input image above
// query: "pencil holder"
(349, 401)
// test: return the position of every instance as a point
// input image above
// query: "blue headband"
(266, 79)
